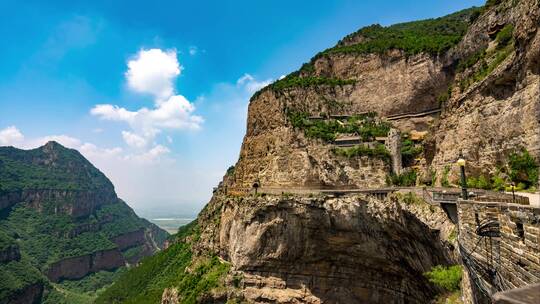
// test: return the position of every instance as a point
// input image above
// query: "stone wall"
(504, 253)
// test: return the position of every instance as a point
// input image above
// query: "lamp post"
(513, 193)
(461, 163)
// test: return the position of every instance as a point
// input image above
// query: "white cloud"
(10, 136)
(90, 150)
(193, 50)
(151, 155)
(153, 71)
(251, 84)
(134, 140)
(176, 113)
(110, 112)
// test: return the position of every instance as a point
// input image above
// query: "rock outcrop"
(324, 250)
(80, 266)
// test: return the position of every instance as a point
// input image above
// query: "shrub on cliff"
(523, 168)
(409, 151)
(447, 277)
(379, 151)
(405, 179)
(363, 125)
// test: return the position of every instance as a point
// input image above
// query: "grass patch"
(411, 198)
(405, 179)
(446, 277)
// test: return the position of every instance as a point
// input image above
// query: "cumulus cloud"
(193, 50)
(176, 113)
(133, 139)
(153, 71)
(10, 136)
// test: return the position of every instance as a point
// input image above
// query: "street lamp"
(513, 192)
(461, 163)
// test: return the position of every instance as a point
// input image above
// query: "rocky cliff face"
(324, 250)
(500, 112)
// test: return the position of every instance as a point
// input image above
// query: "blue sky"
(194, 66)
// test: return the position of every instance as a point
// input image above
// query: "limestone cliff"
(324, 250)
(494, 107)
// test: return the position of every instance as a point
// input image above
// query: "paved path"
(534, 198)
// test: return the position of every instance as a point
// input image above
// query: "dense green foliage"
(6, 241)
(433, 36)
(523, 169)
(379, 151)
(409, 151)
(146, 282)
(57, 168)
(17, 275)
(448, 278)
(363, 125)
(43, 236)
(119, 218)
(95, 281)
(405, 179)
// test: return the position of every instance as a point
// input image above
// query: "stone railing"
(499, 245)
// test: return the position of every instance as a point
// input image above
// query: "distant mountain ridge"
(61, 225)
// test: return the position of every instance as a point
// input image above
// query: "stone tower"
(393, 144)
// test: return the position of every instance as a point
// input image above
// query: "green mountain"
(64, 233)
